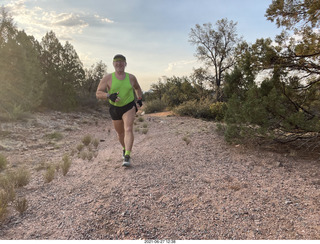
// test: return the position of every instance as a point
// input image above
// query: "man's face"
(119, 65)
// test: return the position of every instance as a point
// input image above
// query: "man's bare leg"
(119, 127)
(128, 119)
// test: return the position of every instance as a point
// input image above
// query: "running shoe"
(126, 161)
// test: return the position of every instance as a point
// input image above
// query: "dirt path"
(185, 183)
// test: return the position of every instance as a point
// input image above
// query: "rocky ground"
(185, 183)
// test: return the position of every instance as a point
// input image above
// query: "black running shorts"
(117, 112)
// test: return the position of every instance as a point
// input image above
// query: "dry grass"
(7, 191)
(8, 182)
(86, 140)
(186, 139)
(95, 143)
(54, 136)
(21, 205)
(80, 147)
(49, 174)
(3, 162)
(3, 209)
(66, 164)
(20, 177)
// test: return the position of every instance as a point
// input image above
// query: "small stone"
(287, 202)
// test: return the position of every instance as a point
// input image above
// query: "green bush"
(154, 106)
(186, 109)
(205, 109)
(217, 110)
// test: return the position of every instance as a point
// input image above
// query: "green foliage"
(49, 74)
(204, 108)
(266, 108)
(215, 47)
(87, 96)
(21, 79)
(177, 91)
(289, 13)
(63, 73)
(287, 103)
(217, 110)
(172, 92)
(154, 106)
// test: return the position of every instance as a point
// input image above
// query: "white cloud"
(69, 20)
(106, 20)
(37, 21)
(180, 65)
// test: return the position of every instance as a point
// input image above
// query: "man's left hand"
(139, 102)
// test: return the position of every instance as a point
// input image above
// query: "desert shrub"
(20, 177)
(18, 113)
(140, 119)
(80, 147)
(217, 110)
(86, 140)
(49, 174)
(3, 162)
(54, 136)
(95, 143)
(90, 156)
(232, 133)
(7, 191)
(83, 155)
(3, 208)
(21, 205)
(66, 164)
(153, 106)
(41, 166)
(186, 139)
(186, 109)
(197, 109)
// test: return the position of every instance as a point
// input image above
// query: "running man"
(119, 88)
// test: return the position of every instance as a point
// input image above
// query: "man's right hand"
(113, 97)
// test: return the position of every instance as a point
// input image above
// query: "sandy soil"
(185, 183)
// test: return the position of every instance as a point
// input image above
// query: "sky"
(152, 34)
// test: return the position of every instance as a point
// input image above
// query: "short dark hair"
(119, 57)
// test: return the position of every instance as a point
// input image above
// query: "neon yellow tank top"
(124, 88)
